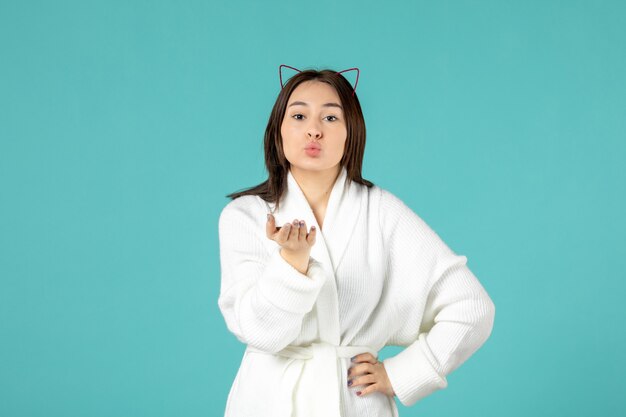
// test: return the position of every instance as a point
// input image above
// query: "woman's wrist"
(299, 260)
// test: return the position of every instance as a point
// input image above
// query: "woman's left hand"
(368, 371)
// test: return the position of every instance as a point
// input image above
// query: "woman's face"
(313, 120)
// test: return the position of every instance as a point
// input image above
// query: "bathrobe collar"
(342, 212)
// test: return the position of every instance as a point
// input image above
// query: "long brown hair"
(277, 165)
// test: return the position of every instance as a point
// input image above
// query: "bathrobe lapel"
(341, 216)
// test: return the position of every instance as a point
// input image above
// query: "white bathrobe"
(378, 275)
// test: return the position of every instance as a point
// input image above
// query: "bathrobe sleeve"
(263, 298)
(458, 314)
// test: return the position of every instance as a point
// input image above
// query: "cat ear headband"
(280, 74)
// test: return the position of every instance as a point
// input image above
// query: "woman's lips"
(313, 149)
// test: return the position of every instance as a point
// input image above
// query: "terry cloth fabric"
(378, 275)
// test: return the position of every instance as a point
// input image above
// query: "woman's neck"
(316, 185)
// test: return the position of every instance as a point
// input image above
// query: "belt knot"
(310, 383)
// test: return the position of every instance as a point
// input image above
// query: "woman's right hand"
(294, 240)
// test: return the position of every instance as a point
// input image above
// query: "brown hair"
(277, 165)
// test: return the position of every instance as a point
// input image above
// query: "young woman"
(322, 268)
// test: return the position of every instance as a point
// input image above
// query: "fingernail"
(313, 227)
(349, 382)
(268, 216)
(358, 393)
(352, 358)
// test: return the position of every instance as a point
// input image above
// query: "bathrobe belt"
(311, 379)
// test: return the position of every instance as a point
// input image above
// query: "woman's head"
(313, 128)
(300, 118)
(292, 127)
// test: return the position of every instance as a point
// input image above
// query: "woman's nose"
(314, 132)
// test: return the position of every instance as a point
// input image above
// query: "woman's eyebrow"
(302, 103)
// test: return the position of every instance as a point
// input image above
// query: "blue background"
(123, 125)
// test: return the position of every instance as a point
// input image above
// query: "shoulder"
(391, 206)
(384, 197)
(242, 209)
(400, 221)
(391, 201)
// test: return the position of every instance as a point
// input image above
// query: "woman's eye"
(298, 114)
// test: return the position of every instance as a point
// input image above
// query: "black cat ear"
(357, 76)
(280, 73)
